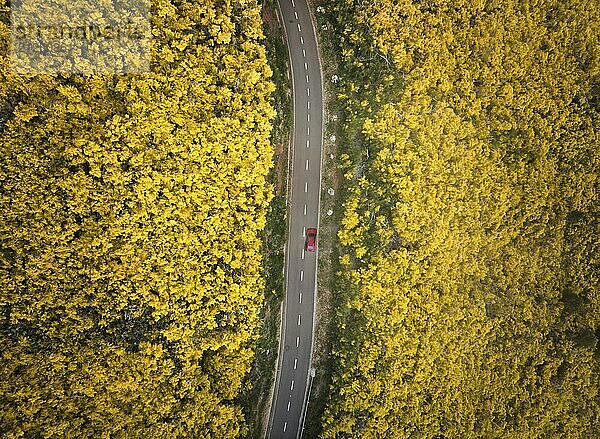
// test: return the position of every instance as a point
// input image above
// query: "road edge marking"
(305, 402)
(283, 307)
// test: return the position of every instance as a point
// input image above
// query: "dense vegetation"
(469, 290)
(130, 211)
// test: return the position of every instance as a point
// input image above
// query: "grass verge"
(256, 400)
(331, 215)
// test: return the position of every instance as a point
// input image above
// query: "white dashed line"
(299, 324)
(306, 186)
(301, 275)
(300, 298)
(284, 426)
(305, 66)
(308, 92)
(308, 105)
(304, 53)
(307, 79)
(308, 143)
(301, 40)
(305, 209)
(308, 131)
(292, 385)
(297, 344)
(288, 407)
(304, 232)
(293, 4)
(296, 15)
(302, 254)
(299, 28)
(306, 167)
(295, 363)
(308, 117)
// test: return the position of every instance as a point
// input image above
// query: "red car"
(311, 240)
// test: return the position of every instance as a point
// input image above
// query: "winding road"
(292, 384)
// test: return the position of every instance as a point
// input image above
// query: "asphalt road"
(291, 387)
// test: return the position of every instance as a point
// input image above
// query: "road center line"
(288, 414)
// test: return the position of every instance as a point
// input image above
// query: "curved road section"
(295, 348)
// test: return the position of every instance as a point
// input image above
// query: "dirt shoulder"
(256, 401)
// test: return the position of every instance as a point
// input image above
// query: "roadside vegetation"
(469, 280)
(131, 214)
(257, 397)
(331, 214)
